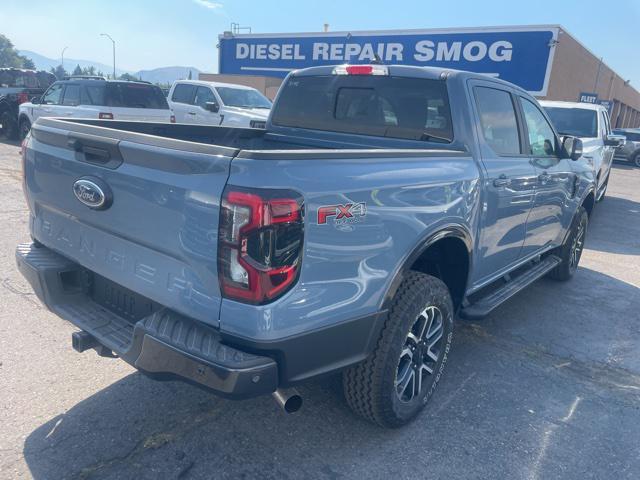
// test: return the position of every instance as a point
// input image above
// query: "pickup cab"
(590, 123)
(379, 203)
(214, 103)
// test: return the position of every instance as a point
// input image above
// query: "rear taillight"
(172, 119)
(105, 116)
(259, 243)
(23, 98)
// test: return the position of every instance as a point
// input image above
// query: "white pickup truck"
(590, 123)
(213, 103)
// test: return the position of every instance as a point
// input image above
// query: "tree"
(9, 56)
(78, 71)
(127, 76)
(59, 72)
(27, 63)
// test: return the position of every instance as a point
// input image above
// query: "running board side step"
(483, 306)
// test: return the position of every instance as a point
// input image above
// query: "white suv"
(590, 123)
(83, 97)
(213, 103)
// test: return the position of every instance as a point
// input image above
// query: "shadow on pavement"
(535, 379)
(615, 226)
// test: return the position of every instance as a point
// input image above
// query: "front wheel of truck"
(571, 250)
(397, 380)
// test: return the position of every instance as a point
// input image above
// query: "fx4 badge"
(344, 214)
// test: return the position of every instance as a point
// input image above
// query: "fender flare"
(452, 230)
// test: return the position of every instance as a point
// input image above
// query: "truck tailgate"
(158, 237)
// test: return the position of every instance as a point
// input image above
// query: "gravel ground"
(547, 387)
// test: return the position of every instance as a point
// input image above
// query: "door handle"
(191, 113)
(501, 181)
(544, 177)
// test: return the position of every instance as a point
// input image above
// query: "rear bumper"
(164, 344)
(167, 345)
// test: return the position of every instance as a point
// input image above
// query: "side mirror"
(37, 100)
(614, 140)
(212, 106)
(572, 147)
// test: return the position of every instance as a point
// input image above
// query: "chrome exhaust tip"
(288, 399)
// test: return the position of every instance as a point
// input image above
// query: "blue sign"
(587, 97)
(519, 55)
(608, 104)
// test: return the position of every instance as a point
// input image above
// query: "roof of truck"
(434, 73)
(205, 83)
(581, 105)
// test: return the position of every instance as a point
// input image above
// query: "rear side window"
(93, 95)
(396, 107)
(498, 120)
(183, 93)
(135, 95)
(71, 95)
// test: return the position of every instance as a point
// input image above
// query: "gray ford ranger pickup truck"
(378, 203)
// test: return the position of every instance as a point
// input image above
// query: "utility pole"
(114, 52)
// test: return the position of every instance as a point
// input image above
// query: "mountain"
(166, 74)
(156, 75)
(46, 63)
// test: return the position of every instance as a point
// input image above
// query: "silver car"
(630, 151)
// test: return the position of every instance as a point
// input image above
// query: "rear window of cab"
(384, 106)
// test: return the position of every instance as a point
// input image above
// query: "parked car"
(630, 151)
(213, 103)
(96, 97)
(18, 86)
(378, 202)
(590, 123)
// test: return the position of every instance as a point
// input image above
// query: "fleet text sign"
(521, 56)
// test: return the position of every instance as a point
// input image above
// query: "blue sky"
(154, 33)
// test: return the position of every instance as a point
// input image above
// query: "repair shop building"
(544, 60)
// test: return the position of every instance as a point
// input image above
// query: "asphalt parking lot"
(547, 387)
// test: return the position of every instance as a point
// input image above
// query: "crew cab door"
(182, 102)
(202, 115)
(70, 100)
(555, 181)
(509, 183)
(50, 102)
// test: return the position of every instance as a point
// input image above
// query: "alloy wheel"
(420, 354)
(576, 247)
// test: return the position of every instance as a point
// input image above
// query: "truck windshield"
(577, 122)
(396, 107)
(240, 97)
(134, 95)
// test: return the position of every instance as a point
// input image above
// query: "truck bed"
(238, 138)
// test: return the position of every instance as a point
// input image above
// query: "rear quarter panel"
(348, 267)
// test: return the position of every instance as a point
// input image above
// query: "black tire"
(636, 160)
(423, 308)
(571, 251)
(8, 130)
(24, 128)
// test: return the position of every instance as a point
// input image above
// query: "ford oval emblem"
(93, 192)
